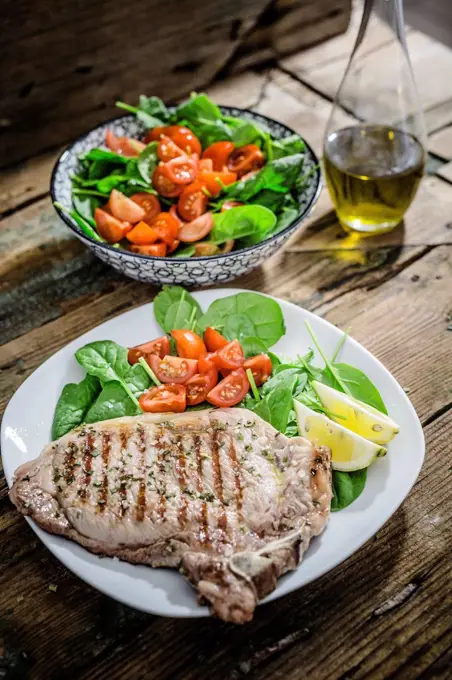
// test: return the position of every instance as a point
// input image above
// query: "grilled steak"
(219, 494)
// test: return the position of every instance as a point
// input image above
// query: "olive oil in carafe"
(372, 172)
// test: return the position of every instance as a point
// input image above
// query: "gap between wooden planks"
(391, 599)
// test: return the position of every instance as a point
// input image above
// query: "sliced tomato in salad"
(206, 164)
(142, 235)
(227, 205)
(219, 153)
(155, 134)
(261, 368)
(205, 248)
(109, 227)
(124, 208)
(196, 229)
(229, 391)
(173, 211)
(230, 356)
(205, 363)
(189, 345)
(163, 185)
(159, 346)
(166, 226)
(153, 250)
(173, 369)
(192, 201)
(167, 149)
(123, 145)
(173, 246)
(184, 138)
(164, 398)
(149, 202)
(215, 180)
(214, 340)
(245, 159)
(181, 170)
(199, 387)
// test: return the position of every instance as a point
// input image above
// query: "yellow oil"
(372, 173)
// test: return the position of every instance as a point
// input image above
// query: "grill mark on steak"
(217, 479)
(88, 445)
(203, 525)
(69, 464)
(106, 449)
(161, 452)
(237, 478)
(141, 497)
(121, 476)
(182, 481)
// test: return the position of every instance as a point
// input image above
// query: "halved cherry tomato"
(214, 340)
(166, 226)
(229, 391)
(173, 369)
(227, 246)
(227, 205)
(199, 386)
(189, 345)
(142, 235)
(246, 158)
(149, 202)
(154, 250)
(213, 181)
(163, 185)
(109, 227)
(124, 208)
(164, 398)
(205, 363)
(261, 367)
(159, 346)
(205, 248)
(192, 201)
(196, 229)
(182, 136)
(206, 164)
(181, 170)
(123, 145)
(173, 246)
(173, 211)
(167, 149)
(230, 356)
(219, 153)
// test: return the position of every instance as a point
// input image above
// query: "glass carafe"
(373, 167)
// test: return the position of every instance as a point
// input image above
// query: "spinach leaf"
(252, 345)
(73, 404)
(147, 162)
(112, 402)
(137, 379)
(238, 327)
(358, 384)
(149, 120)
(199, 107)
(178, 315)
(246, 133)
(278, 175)
(252, 221)
(113, 181)
(263, 312)
(154, 106)
(107, 361)
(186, 251)
(277, 405)
(209, 132)
(84, 225)
(86, 205)
(285, 218)
(347, 486)
(106, 156)
(287, 146)
(273, 200)
(167, 297)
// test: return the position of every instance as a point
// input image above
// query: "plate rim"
(203, 611)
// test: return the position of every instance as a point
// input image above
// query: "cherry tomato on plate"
(123, 145)
(214, 340)
(149, 202)
(142, 235)
(164, 398)
(173, 369)
(124, 208)
(196, 229)
(246, 158)
(230, 356)
(159, 346)
(167, 149)
(189, 345)
(219, 153)
(166, 226)
(192, 201)
(164, 185)
(109, 227)
(214, 181)
(181, 170)
(229, 391)
(199, 386)
(261, 368)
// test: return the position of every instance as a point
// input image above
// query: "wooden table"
(385, 612)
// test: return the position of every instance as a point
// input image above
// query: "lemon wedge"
(349, 451)
(356, 416)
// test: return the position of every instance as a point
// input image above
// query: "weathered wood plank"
(445, 172)
(26, 182)
(399, 574)
(440, 143)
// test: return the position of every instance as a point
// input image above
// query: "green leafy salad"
(222, 356)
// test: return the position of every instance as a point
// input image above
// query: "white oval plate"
(26, 430)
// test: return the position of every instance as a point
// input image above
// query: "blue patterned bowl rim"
(266, 121)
